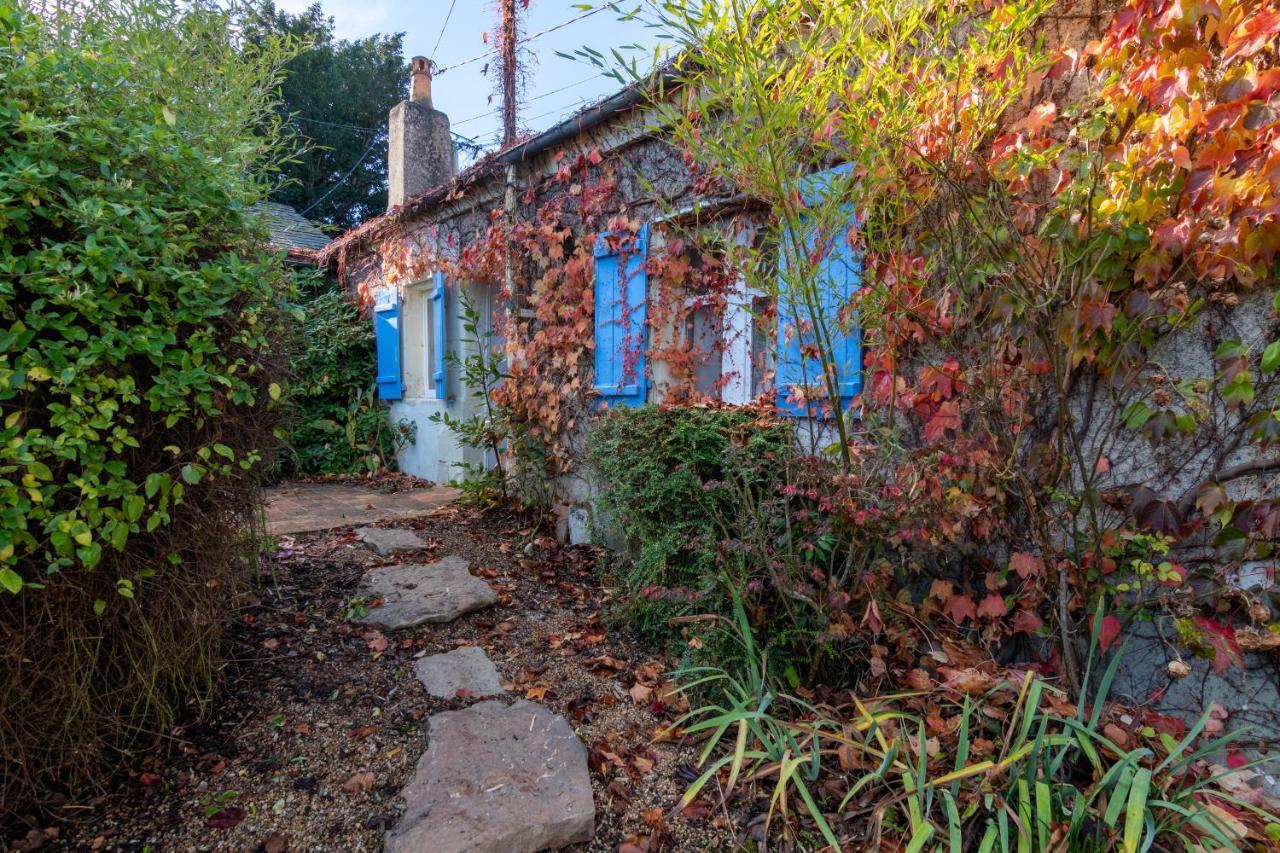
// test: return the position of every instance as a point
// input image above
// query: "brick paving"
(307, 507)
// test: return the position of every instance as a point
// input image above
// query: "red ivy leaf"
(1108, 632)
(1025, 564)
(1252, 34)
(960, 608)
(1222, 639)
(992, 606)
(947, 418)
(1025, 620)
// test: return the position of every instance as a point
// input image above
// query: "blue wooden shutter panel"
(438, 370)
(386, 333)
(842, 268)
(621, 325)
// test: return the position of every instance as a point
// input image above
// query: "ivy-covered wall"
(1165, 386)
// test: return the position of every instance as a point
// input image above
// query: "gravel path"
(322, 720)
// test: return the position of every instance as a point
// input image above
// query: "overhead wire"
(491, 51)
(565, 88)
(444, 27)
(341, 180)
(466, 141)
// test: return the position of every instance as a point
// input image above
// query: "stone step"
(466, 669)
(416, 594)
(496, 778)
(385, 541)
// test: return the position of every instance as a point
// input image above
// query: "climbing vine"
(1065, 224)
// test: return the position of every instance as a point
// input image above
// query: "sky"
(556, 86)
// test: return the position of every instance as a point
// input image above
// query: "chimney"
(420, 152)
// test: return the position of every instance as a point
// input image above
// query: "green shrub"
(661, 475)
(138, 368)
(336, 424)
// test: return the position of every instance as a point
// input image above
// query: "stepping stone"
(415, 594)
(496, 779)
(467, 668)
(387, 540)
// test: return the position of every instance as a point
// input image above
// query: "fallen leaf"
(970, 681)
(918, 679)
(276, 844)
(227, 818)
(359, 782)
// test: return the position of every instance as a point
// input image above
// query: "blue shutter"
(386, 332)
(839, 273)
(438, 371)
(621, 328)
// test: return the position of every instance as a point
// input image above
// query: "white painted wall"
(435, 451)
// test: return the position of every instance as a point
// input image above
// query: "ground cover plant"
(139, 370)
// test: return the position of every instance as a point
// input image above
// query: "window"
(621, 329)
(703, 340)
(802, 389)
(386, 329)
(438, 336)
(762, 355)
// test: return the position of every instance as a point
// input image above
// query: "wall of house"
(655, 180)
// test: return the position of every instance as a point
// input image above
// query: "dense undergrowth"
(336, 424)
(139, 371)
(1063, 420)
(667, 503)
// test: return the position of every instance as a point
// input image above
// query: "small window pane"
(702, 334)
(762, 351)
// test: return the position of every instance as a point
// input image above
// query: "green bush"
(661, 475)
(336, 425)
(138, 368)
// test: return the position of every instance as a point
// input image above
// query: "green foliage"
(138, 365)
(337, 425)
(1020, 768)
(137, 302)
(661, 474)
(335, 99)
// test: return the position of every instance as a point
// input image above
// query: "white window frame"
(428, 338)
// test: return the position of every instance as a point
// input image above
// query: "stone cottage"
(663, 328)
(609, 208)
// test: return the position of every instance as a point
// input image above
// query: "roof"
(289, 229)
(588, 117)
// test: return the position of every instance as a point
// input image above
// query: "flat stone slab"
(307, 507)
(496, 779)
(467, 668)
(387, 540)
(416, 594)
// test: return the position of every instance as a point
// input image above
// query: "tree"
(336, 96)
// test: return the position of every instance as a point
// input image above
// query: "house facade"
(651, 241)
